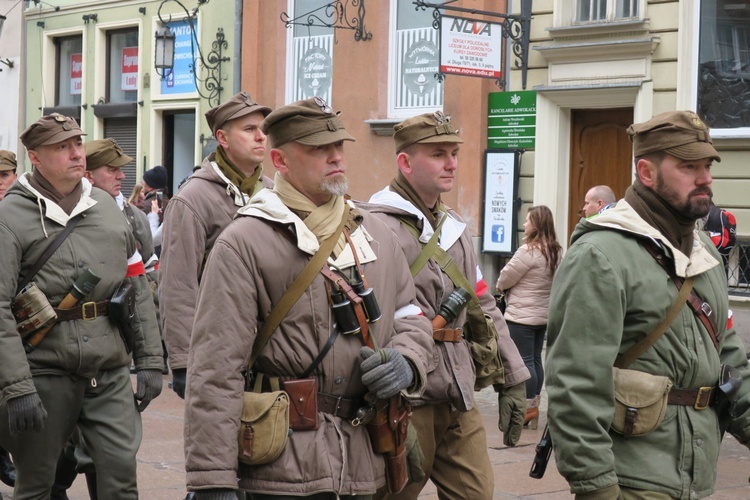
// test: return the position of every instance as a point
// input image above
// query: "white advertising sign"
(470, 47)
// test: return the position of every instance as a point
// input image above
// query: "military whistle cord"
(83, 285)
(48, 252)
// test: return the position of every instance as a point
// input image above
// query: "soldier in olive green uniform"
(78, 375)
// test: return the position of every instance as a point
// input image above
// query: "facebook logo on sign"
(498, 233)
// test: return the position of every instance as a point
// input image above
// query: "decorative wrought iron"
(516, 28)
(339, 17)
(211, 63)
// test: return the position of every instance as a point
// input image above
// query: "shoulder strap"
(700, 307)
(428, 249)
(626, 359)
(49, 251)
(295, 291)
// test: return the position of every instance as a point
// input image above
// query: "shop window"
(69, 71)
(415, 60)
(310, 63)
(606, 10)
(122, 66)
(724, 64)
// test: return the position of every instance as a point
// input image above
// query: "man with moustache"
(78, 376)
(201, 209)
(616, 284)
(254, 261)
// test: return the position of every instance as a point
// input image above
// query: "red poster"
(129, 68)
(76, 73)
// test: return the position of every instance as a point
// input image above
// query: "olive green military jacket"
(103, 242)
(607, 294)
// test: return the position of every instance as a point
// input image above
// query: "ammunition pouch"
(482, 337)
(640, 401)
(32, 311)
(122, 313)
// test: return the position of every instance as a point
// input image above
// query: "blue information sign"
(180, 79)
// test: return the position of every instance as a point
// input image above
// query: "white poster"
(470, 47)
(499, 232)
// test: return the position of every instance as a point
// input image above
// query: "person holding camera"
(475, 349)
(200, 210)
(72, 370)
(340, 357)
(644, 368)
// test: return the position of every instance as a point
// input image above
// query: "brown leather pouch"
(396, 472)
(303, 403)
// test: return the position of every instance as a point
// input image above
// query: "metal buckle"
(701, 392)
(706, 308)
(336, 408)
(93, 315)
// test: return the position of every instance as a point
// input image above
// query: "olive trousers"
(104, 409)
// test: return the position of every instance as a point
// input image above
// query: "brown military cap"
(239, 105)
(7, 161)
(425, 128)
(50, 129)
(105, 152)
(311, 122)
(681, 134)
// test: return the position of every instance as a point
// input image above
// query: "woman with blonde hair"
(527, 280)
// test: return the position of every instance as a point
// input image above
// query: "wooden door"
(600, 153)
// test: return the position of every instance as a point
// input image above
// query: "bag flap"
(255, 404)
(639, 389)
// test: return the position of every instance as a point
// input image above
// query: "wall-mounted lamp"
(211, 64)
(163, 50)
(90, 17)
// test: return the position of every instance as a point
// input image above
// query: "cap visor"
(694, 151)
(62, 136)
(446, 138)
(120, 161)
(325, 137)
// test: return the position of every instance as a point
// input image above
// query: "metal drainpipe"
(237, 50)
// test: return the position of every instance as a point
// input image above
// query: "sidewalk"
(161, 465)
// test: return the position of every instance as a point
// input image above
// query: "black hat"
(157, 177)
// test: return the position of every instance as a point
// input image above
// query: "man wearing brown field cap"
(200, 210)
(631, 422)
(78, 374)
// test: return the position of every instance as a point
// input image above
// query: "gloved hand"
(26, 413)
(148, 387)
(386, 372)
(511, 402)
(609, 493)
(215, 494)
(178, 381)
(414, 455)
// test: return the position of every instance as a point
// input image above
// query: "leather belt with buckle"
(700, 398)
(447, 334)
(86, 311)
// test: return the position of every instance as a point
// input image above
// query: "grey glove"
(414, 455)
(386, 372)
(215, 494)
(148, 387)
(511, 403)
(26, 413)
(178, 381)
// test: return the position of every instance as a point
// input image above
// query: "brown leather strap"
(700, 398)
(448, 334)
(338, 406)
(356, 301)
(700, 307)
(86, 311)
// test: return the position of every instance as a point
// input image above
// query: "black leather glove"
(178, 381)
(148, 387)
(215, 494)
(414, 455)
(511, 403)
(26, 413)
(385, 372)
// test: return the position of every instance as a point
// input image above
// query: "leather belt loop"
(447, 334)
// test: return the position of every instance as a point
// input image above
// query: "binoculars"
(343, 309)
